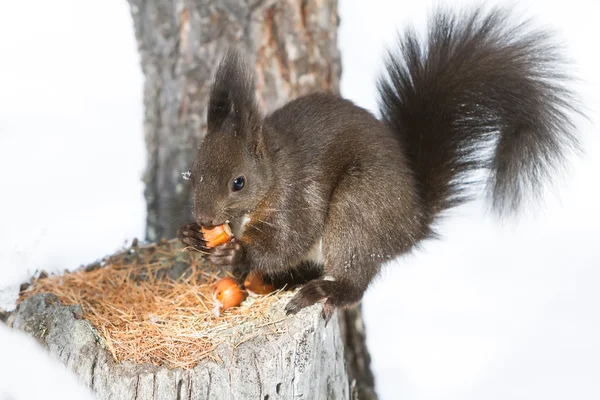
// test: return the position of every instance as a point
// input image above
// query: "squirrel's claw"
(308, 295)
(328, 310)
(191, 235)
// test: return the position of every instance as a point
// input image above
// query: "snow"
(493, 311)
(71, 148)
(26, 371)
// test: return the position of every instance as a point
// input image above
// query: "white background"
(491, 312)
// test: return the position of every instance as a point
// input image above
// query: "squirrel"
(325, 182)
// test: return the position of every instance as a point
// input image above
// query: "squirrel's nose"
(205, 220)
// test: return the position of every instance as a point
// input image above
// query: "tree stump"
(286, 358)
(307, 362)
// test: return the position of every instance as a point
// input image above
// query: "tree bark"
(292, 45)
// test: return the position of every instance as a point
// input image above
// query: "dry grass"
(153, 304)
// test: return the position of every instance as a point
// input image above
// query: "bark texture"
(305, 362)
(291, 43)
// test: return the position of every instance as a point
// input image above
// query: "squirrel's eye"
(238, 183)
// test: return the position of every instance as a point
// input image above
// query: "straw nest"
(153, 304)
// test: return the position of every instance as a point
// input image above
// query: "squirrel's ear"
(232, 97)
(256, 142)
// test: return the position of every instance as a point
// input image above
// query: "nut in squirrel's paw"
(218, 235)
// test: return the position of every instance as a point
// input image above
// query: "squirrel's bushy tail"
(479, 93)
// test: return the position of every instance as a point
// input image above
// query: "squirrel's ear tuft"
(232, 97)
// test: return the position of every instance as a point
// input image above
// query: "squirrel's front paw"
(191, 235)
(228, 255)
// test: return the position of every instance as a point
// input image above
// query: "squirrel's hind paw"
(335, 293)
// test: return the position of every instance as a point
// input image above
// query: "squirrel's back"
(328, 134)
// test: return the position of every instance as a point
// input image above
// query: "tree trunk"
(292, 45)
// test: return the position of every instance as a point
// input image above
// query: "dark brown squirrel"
(324, 181)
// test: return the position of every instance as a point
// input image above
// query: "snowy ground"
(491, 312)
